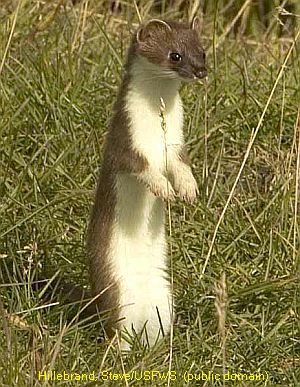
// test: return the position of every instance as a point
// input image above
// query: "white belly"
(138, 255)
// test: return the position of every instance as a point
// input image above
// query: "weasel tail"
(143, 166)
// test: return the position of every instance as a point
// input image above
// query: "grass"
(235, 252)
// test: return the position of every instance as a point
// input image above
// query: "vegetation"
(235, 257)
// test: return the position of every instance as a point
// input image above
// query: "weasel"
(143, 167)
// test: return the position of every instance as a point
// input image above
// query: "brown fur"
(118, 157)
(157, 39)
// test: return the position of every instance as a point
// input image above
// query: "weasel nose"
(200, 72)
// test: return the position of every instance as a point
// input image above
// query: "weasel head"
(174, 47)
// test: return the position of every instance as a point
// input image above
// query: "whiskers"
(147, 71)
(153, 75)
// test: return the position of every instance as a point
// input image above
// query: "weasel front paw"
(186, 186)
(158, 184)
(162, 188)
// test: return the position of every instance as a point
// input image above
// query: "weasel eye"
(175, 57)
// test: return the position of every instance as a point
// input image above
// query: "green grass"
(59, 76)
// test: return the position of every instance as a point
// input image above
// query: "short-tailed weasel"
(126, 235)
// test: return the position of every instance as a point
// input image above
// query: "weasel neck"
(151, 83)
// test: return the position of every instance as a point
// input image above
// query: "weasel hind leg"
(148, 321)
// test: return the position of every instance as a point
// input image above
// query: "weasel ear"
(150, 27)
(197, 23)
